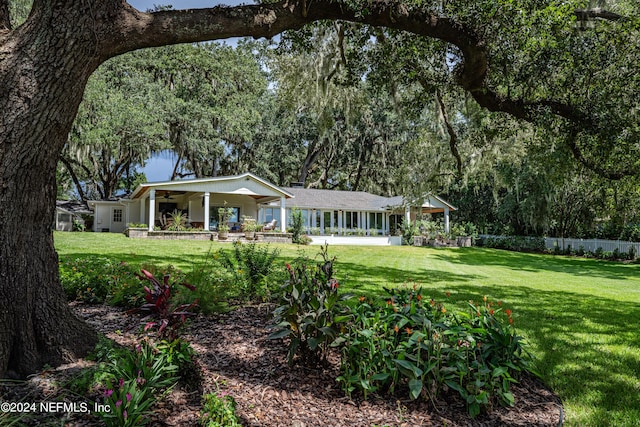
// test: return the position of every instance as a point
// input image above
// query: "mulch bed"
(236, 358)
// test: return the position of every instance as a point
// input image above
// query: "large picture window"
(214, 217)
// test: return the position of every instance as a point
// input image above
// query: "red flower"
(508, 312)
(409, 331)
(448, 294)
(419, 297)
(396, 329)
(491, 312)
(362, 298)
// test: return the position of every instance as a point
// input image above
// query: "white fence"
(591, 244)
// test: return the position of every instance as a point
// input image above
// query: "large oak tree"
(44, 67)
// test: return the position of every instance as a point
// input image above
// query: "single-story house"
(328, 211)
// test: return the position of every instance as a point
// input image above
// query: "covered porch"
(199, 200)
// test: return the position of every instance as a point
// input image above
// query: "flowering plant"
(411, 342)
(134, 381)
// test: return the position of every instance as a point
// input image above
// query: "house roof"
(309, 198)
(244, 184)
(75, 207)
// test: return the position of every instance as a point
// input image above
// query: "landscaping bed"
(238, 360)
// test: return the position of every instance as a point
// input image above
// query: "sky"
(144, 5)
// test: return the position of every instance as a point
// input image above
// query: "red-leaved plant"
(168, 318)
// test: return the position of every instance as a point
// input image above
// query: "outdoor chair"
(269, 226)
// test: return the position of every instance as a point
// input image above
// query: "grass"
(579, 316)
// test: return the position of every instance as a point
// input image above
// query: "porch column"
(143, 206)
(152, 208)
(206, 211)
(283, 214)
(340, 215)
(322, 222)
(407, 215)
(446, 219)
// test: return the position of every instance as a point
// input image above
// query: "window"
(117, 215)
(214, 215)
(327, 220)
(352, 219)
(271, 213)
(375, 220)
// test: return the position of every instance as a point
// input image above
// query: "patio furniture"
(270, 226)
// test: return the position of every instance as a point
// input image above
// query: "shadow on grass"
(187, 261)
(539, 262)
(587, 348)
(371, 279)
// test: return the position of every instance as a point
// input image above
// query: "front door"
(117, 220)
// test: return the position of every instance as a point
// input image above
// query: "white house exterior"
(326, 211)
(352, 212)
(200, 199)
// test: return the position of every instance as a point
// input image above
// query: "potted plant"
(224, 213)
(249, 226)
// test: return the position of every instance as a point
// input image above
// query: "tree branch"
(453, 138)
(139, 30)
(590, 14)
(67, 164)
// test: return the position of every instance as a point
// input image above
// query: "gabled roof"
(246, 184)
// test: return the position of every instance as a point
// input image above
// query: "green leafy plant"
(296, 225)
(224, 213)
(311, 312)
(134, 381)
(252, 264)
(218, 411)
(413, 343)
(179, 221)
(96, 280)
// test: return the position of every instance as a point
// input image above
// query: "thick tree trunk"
(40, 90)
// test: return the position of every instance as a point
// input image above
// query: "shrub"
(310, 312)
(252, 264)
(95, 280)
(215, 287)
(296, 225)
(413, 344)
(514, 243)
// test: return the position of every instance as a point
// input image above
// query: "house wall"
(103, 218)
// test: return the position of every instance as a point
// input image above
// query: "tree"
(46, 62)
(119, 124)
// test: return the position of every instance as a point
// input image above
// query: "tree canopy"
(565, 69)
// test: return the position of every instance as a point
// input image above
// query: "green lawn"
(579, 316)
